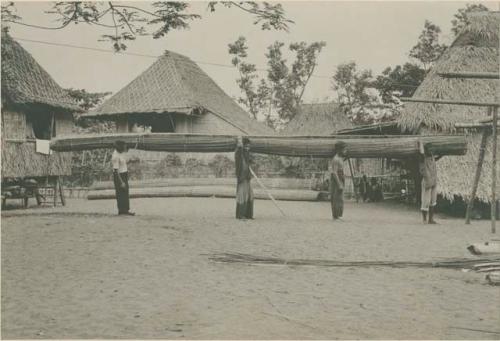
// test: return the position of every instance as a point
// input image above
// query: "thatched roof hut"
(317, 119)
(176, 95)
(474, 50)
(34, 108)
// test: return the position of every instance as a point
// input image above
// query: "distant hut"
(176, 95)
(474, 50)
(34, 110)
(317, 119)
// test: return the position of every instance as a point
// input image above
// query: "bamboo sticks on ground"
(357, 147)
(459, 263)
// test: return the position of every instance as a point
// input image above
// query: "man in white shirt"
(120, 178)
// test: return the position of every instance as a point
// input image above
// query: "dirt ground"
(82, 272)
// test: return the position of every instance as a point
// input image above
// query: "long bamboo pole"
(353, 182)
(494, 172)
(480, 75)
(477, 176)
(442, 101)
(267, 191)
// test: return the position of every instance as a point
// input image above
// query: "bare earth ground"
(82, 272)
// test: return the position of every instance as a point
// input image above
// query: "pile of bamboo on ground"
(492, 269)
(205, 191)
(453, 263)
(315, 146)
(274, 183)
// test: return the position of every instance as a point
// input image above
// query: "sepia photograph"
(250, 170)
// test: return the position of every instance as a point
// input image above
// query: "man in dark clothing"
(337, 180)
(244, 193)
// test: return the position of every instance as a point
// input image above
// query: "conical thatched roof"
(317, 119)
(474, 50)
(176, 84)
(24, 81)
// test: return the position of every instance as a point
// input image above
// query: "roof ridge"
(174, 57)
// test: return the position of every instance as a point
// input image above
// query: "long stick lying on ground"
(318, 146)
(267, 191)
(454, 263)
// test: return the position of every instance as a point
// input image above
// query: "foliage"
(278, 95)
(428, 50)
(351, 86)
(154, 19)
(9, 14)
(87, 100)
(167, 166)
(461, 20)
(90, 165)
(220, 165)
(399, 81)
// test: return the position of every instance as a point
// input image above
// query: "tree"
(125, 22)
(428, 50)
(351, 86)
(87, 100)
(278, 95)
(399, 81)
(461, 20)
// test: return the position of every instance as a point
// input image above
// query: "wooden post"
(61, 191)
(353, 183)
(477, 176)
(56, 182)
(494, 171)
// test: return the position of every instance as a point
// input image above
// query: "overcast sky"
(374, 34)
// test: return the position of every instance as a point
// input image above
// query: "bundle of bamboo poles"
(454, 263)
(317, 146)
(275, 183)
(169, 142)
(359, 146)
(206, 191)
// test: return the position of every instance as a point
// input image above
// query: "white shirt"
(119, 161)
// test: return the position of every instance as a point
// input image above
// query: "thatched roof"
(317, 119)
(474, 50)
(24, 81)
(176, 84)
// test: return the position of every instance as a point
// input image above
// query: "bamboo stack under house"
(476, 49)
(174, 95)
(35, 109)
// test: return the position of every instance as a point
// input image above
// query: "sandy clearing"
(82, 272)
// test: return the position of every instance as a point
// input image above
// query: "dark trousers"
(122, 198)
(244, 200)
(336, 199)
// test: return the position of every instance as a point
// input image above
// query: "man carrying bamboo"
(337, 180)
(428, 171)
(244, 194)
(120, 178)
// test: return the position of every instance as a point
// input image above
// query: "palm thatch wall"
(474, 50)
(29, 92)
